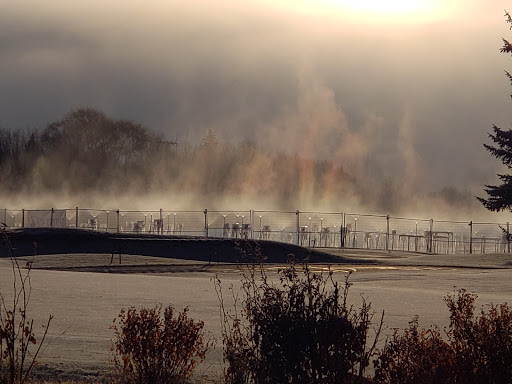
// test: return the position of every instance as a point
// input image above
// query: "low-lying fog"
(90, 160)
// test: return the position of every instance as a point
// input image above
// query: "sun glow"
(386, 6)
(381, 11)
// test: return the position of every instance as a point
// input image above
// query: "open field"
(85, 291)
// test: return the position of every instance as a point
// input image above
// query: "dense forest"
(86, 151)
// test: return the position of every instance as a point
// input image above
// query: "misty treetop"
(500, 196)
(82, 151)
(88, 151)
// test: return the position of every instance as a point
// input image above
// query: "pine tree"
(500, 196)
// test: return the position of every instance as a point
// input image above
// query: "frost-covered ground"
(84, 299)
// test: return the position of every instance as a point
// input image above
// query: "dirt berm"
(52, 241)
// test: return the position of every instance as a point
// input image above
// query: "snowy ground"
(84, 299)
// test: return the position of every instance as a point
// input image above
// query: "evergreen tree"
(500, 196)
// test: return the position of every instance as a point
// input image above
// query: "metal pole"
(161, 222)
(206, 222)
(309, 233)
(5, 216)
(297, 227)
(508, 238)
(251, 215)
(51, 219)
(342, 229)
(387, 232)
(416, 239)
(431, 235)
(471, 237)
(321, 229)
(76, 217)
(23, 218)
(355, 232)
(117, 213)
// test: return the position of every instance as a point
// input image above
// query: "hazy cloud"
(411, 102)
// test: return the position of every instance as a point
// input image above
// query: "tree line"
(82, 151)
(87, 151)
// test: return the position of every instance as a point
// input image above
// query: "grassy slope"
(51, 241)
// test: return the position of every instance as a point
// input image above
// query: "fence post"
(508, 238)
(161, 222)
(387, 232)
(342, 230)
(251, 217)
(430, 241)
(23, 218)
(471, 237)
(76, 217)
(206, 222)
(297, 226)
(117, 214)
(51, 219)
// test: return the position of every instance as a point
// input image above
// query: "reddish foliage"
(149, 348)
(477, 350)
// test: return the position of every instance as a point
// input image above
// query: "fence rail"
(308, 229)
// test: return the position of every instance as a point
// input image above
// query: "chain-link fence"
(320, 229)
(308, 229)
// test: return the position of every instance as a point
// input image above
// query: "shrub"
(19, 347)
(416, 356)
(301, 330)
(149, 348)
(477, 350)
(482, 344)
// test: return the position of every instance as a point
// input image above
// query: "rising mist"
(89, 159)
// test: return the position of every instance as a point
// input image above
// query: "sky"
(401, 90)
